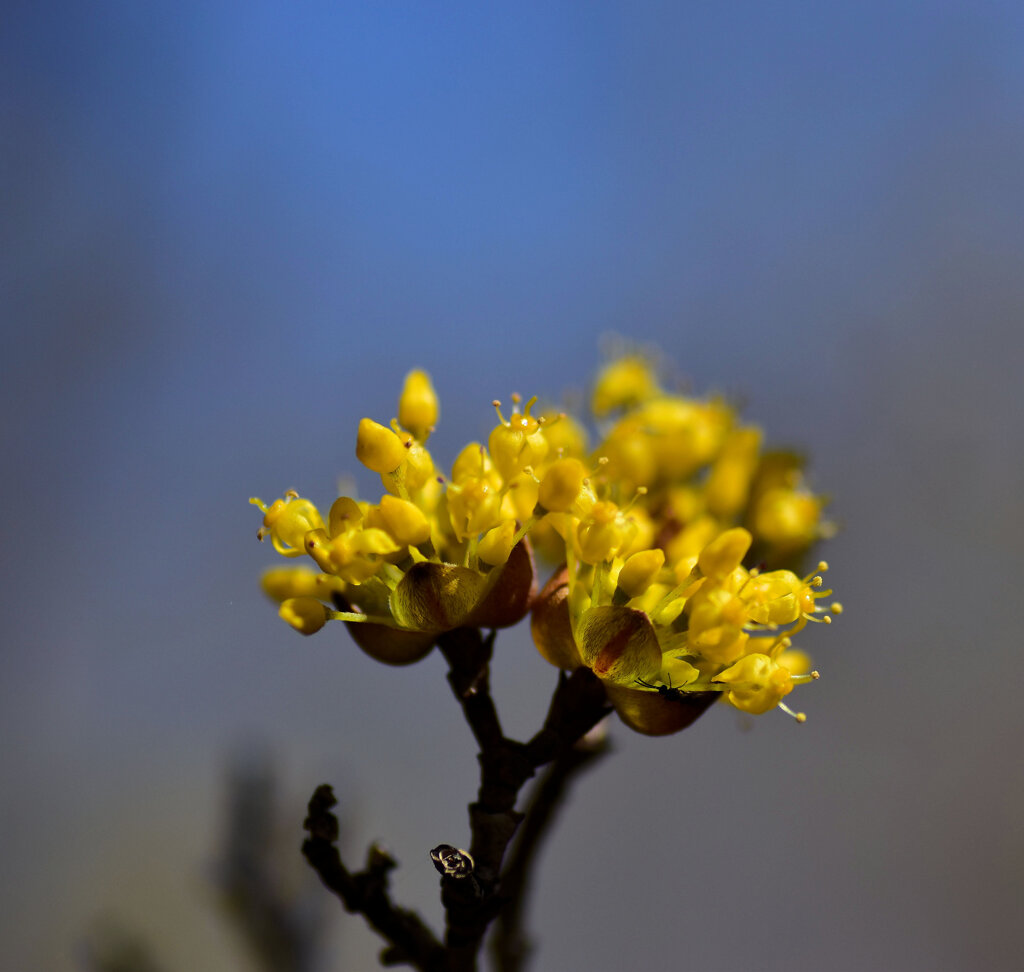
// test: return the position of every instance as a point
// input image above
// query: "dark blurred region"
(278, 909)
(227, 236)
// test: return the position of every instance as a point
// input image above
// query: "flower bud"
(282, 583)
(788, 518)
(624, 382)
(417, 406)
(639, 571)
(756, 683)
(378, 448)
(305, 614)
(496, 544)
(344, 515)
(725, 553)
(561, 484)
(404, 521)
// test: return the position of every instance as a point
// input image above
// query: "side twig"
(577, 705)
(366, 892)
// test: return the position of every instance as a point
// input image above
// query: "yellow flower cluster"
(656, 528)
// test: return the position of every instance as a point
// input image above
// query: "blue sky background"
(227, 233)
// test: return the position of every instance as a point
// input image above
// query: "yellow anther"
(318, 546)
(799, 717)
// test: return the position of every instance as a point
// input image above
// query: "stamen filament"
(364, 618)
(525, 528)
(800, 717)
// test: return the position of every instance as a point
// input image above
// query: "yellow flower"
(518, 442)
(756, 683)
(561, 484)
(287, 521)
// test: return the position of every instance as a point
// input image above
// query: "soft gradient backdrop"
(228, 230)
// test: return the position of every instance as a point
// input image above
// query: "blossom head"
(659, 597)
(664, 532)
(430, 556)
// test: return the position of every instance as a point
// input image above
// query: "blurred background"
(227, 233)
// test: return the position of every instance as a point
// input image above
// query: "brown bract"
(654, 714)
(550, 625)
(433, 598)
(390, 645)
(618, 644)
(509, 591)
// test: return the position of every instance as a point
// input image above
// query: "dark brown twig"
(366, 892)
(510, 946)
(577, 705)
(468, 654)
